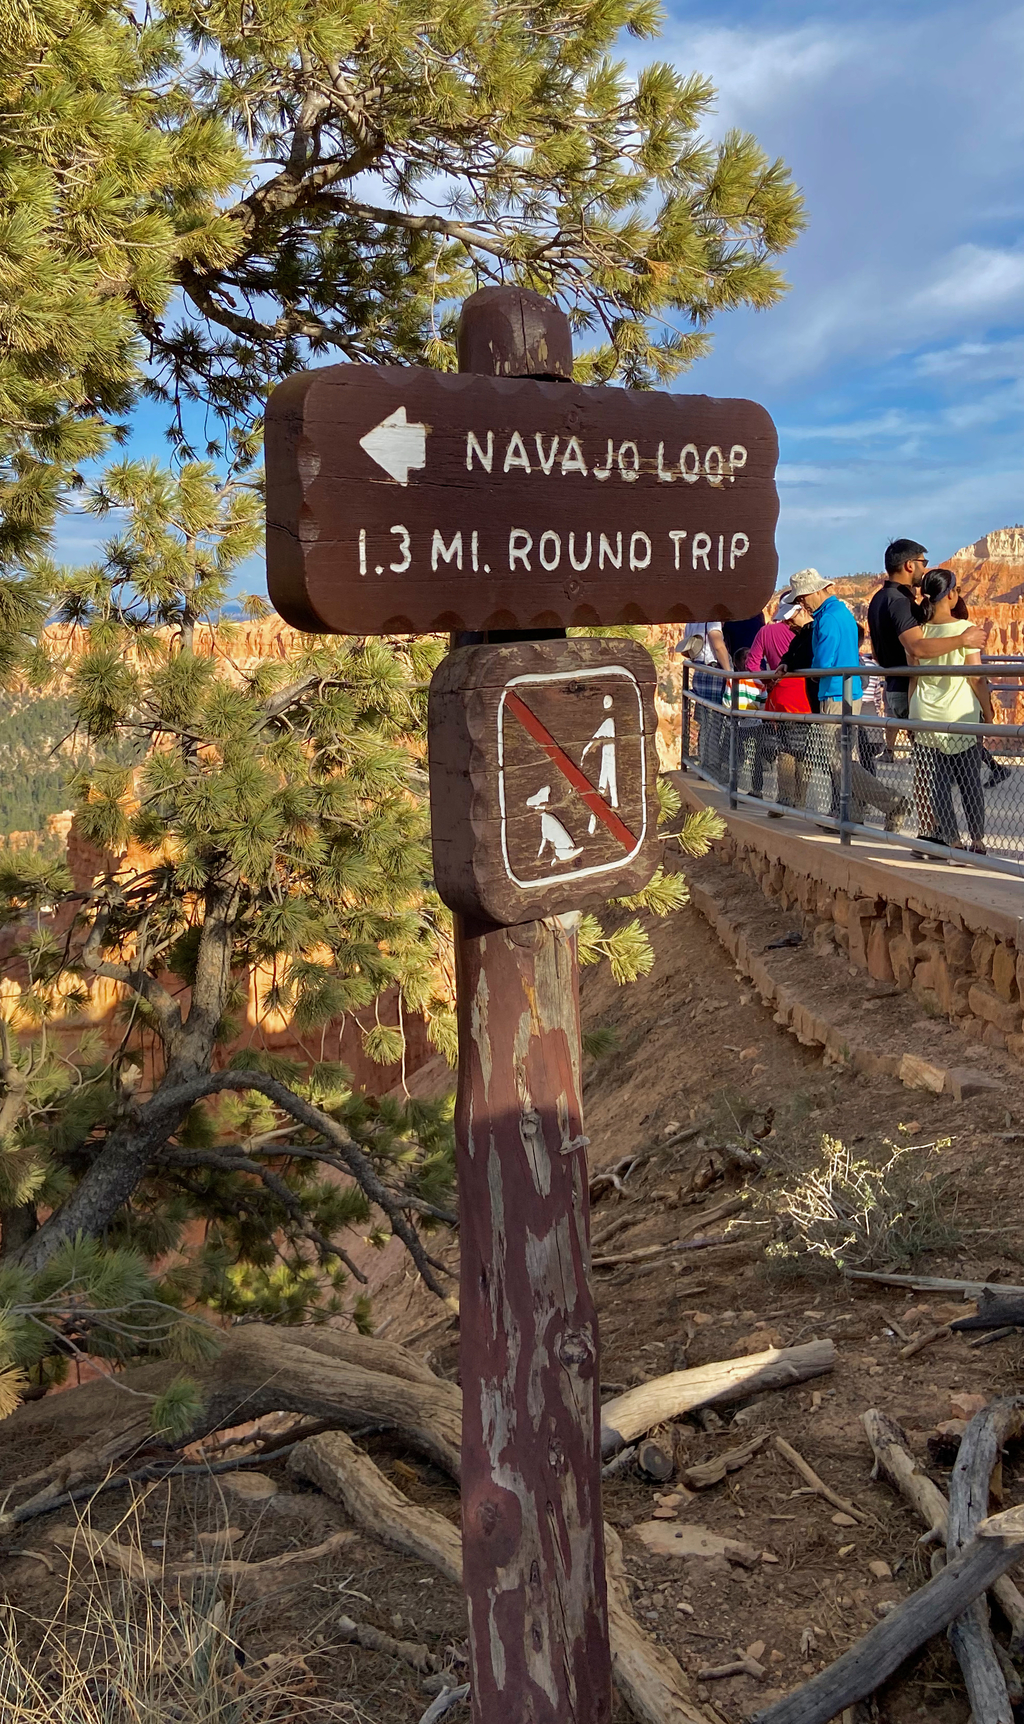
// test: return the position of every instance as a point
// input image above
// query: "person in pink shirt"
(786, 742)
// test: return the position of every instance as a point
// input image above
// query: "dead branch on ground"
(873, 1659)
(810, 1477)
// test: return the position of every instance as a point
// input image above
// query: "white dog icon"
(553, 834)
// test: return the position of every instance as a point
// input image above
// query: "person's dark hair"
(900, 551)
(937, 585)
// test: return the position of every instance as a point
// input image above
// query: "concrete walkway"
(981, 899)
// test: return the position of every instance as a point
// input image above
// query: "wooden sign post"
(510, 499)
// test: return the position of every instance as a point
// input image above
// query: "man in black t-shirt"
(894, 622)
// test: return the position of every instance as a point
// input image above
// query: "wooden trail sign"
(543, 769)
(403, 500)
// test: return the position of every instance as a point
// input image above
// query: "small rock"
(962, 1082)
(843, 1520)
(884, 1606)
(880, 1570)
(845, 1549)
(755, 1649)
(964, 1406)
(663, 1512)
(251, 1487)
(768, 1556)
(776, 1657)
(686, 1608)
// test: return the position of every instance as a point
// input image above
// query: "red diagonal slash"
(593, 799)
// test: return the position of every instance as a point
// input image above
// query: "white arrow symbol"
(396, 446)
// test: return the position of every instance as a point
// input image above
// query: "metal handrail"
(867, 671)
(846, 720)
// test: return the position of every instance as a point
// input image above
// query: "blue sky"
(893, 367)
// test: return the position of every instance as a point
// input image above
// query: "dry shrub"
(119, 1651)
(846, 1213)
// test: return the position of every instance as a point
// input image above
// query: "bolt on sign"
(542, 776)
(403, 500)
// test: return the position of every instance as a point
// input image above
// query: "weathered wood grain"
(638, 1410)
(970, 1635)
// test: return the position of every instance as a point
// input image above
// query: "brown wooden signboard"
(404, 500)
(542, 776)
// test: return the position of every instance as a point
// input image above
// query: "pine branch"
(357, 1162)
(233, 1161)
(134, 976)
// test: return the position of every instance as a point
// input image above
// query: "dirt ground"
(695, 1048)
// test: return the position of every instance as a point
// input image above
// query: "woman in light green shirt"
(950, 757)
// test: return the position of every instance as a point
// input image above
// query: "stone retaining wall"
(976, 979)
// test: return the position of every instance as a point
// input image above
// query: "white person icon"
(607, 782)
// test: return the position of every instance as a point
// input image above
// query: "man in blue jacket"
(836, 643)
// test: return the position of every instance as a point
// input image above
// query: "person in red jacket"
(788, 694)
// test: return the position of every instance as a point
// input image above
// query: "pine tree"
(96, 192)
(228, 191)
(272, 819)
(409, 155)
(196, 202)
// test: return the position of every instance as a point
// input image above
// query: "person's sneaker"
(897, 813)
(998, 775)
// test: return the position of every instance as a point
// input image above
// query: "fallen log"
(685, 1241)
(647, 1676)
(993, 1312)
(707, 1473)
(995, 1548)
(629, 1415)
(447, 1698)
(248, 1580)
(895, 1463)
(935, 1283)
(345, 1473)
(939, 1332)
(970, 1635)
(259, 1370)
(703, 1243)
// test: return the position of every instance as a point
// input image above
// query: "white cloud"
(792, 473)
(755, 71)
(975, 278)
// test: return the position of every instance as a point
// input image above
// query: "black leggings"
(963, 770)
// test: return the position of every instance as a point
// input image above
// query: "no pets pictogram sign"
(557, 808)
